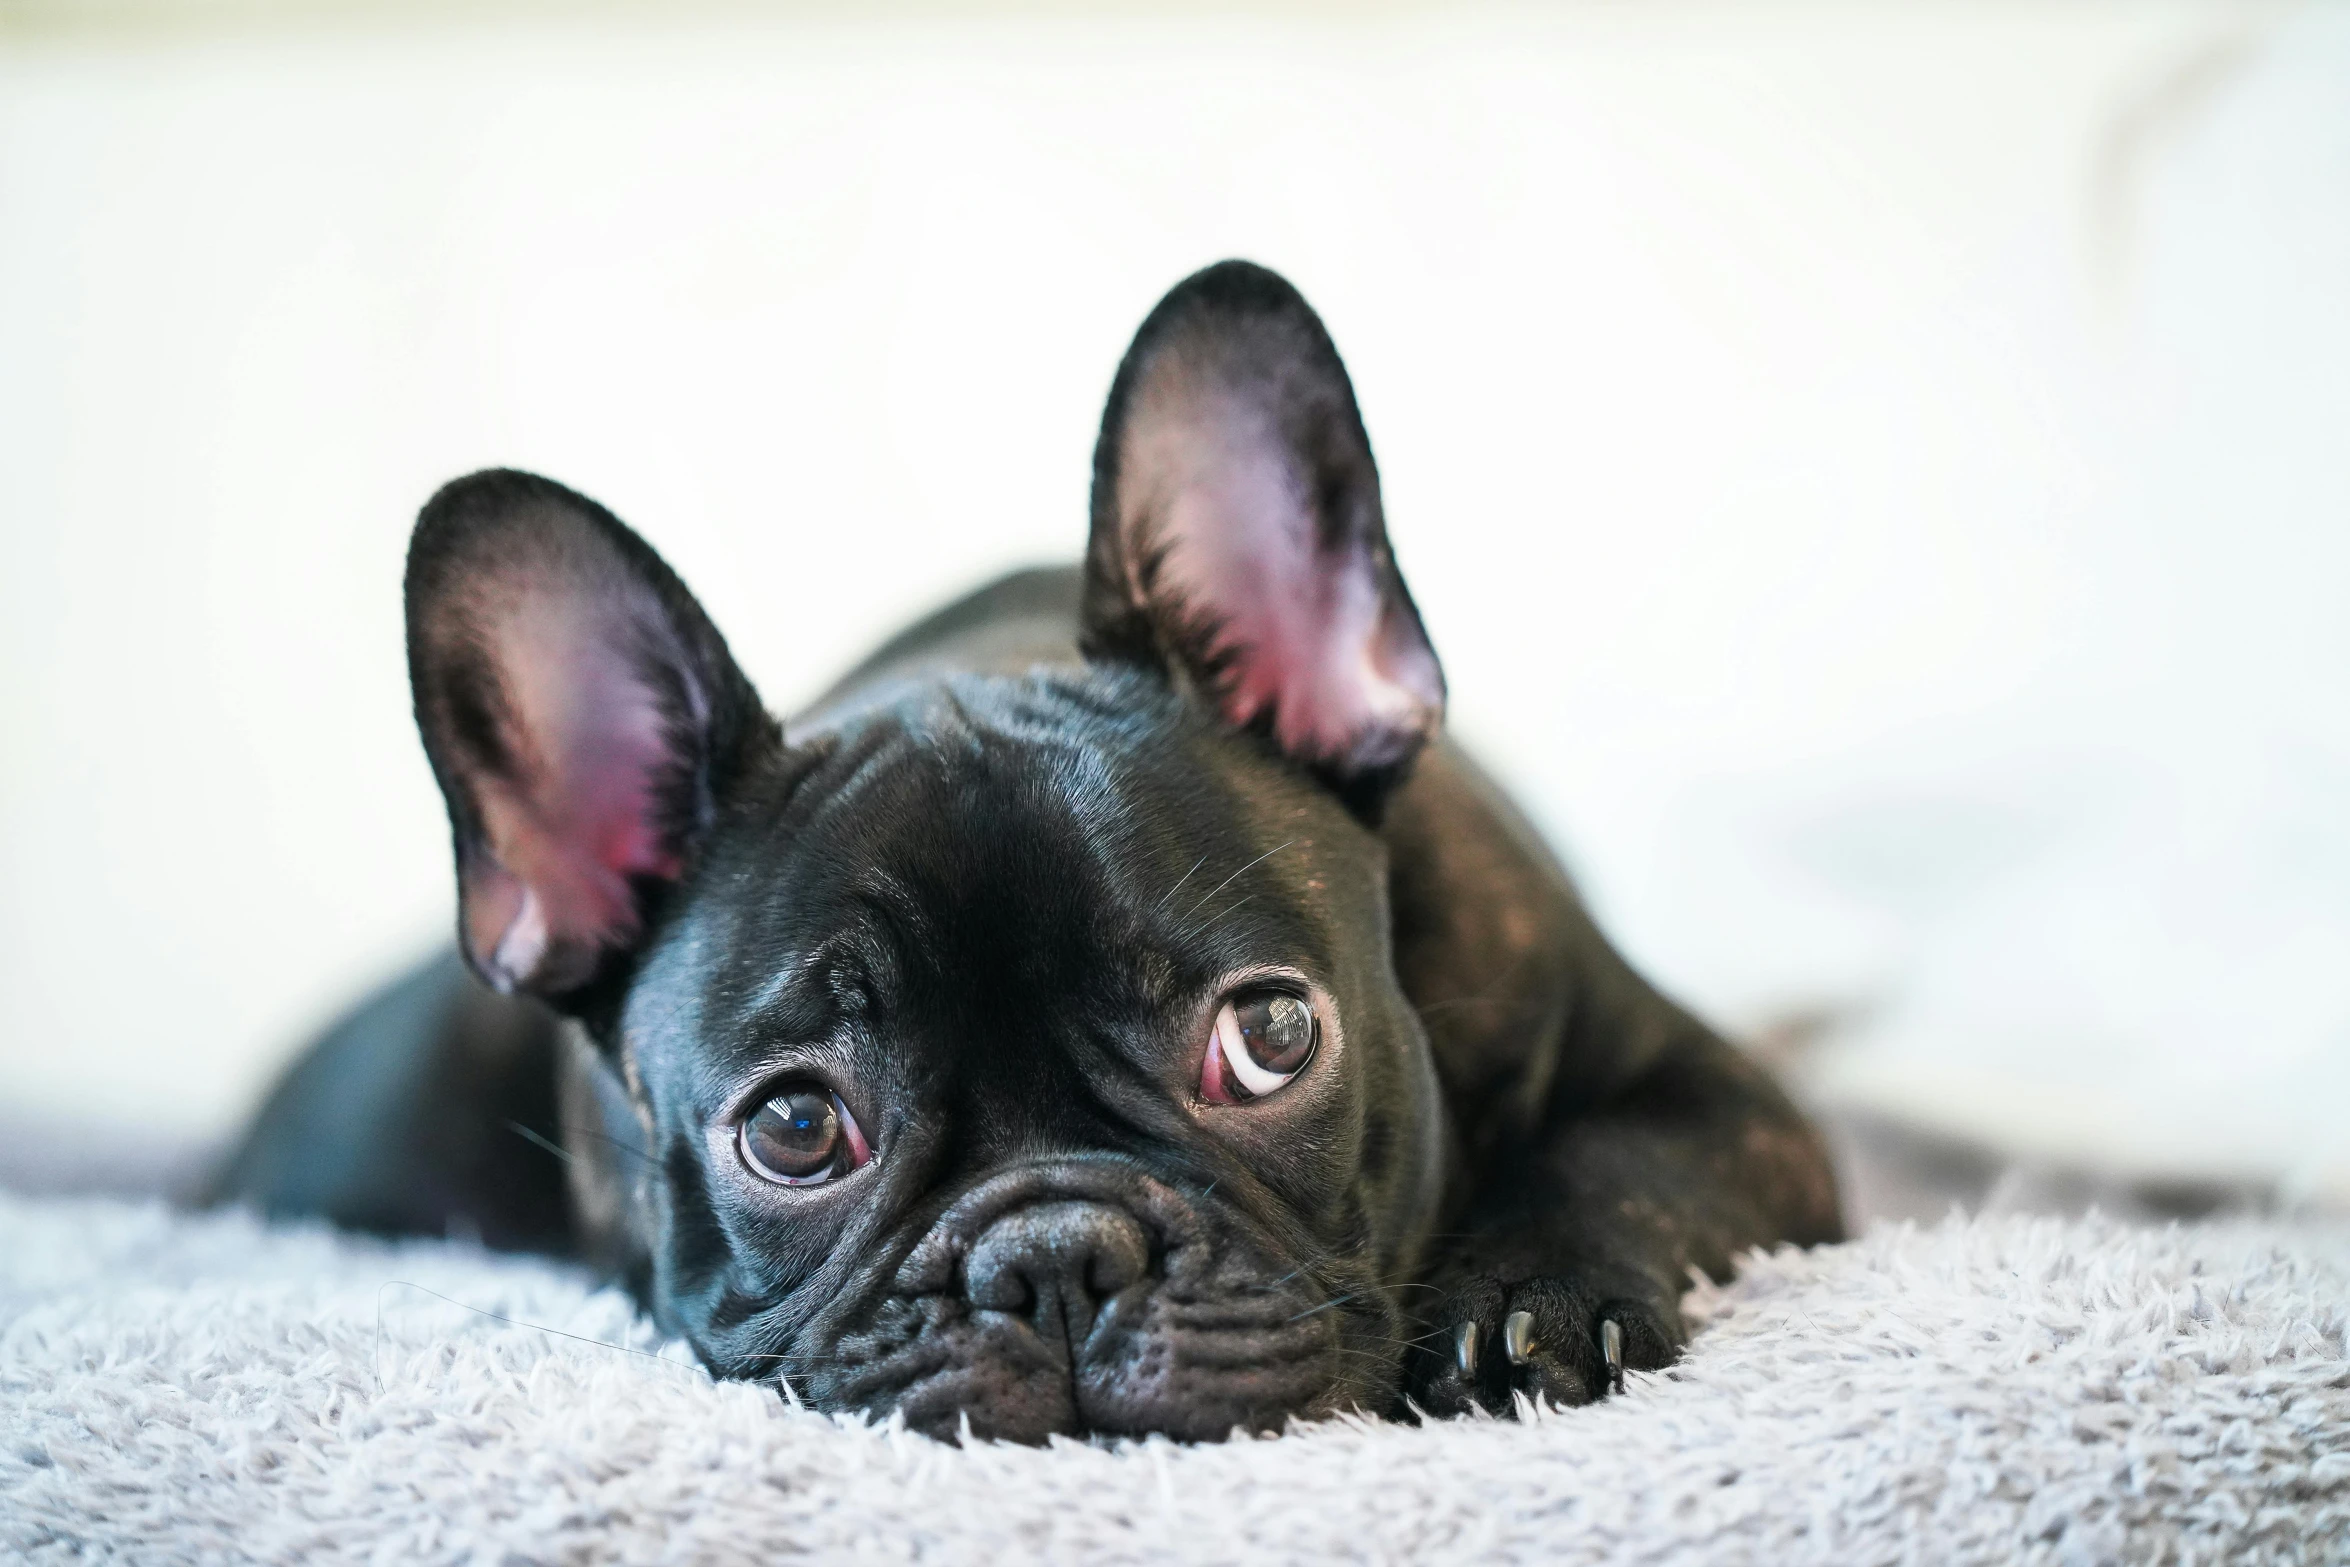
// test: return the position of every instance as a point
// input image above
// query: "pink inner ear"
(1311, 634)
(590, 747)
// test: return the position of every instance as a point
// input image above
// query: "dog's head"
(1016, 1046)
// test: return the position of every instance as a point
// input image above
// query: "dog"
(1114, 1008)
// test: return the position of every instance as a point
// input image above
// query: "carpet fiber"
(2029, 1390)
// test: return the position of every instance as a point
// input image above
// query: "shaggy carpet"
(178, 1388)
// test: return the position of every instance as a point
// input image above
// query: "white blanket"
(1998, 1390)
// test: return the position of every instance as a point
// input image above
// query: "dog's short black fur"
(1111, 1009)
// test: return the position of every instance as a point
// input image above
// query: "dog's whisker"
(797, 1359)
(575, 1129)
(1179, 881)
(513, 1322)
(1215, 920)
(1235, 876)
(555, 1148)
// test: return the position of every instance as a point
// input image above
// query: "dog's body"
(1105, 1011)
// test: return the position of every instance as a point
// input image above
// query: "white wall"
(1877, 475)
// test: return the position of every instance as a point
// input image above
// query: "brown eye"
(803, 1136)
(1262, 1039)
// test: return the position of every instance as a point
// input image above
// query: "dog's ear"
(583, 718)
(1238, 539)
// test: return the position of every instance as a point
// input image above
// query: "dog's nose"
(1056, 1262)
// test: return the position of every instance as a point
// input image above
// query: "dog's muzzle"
(1086, 1296)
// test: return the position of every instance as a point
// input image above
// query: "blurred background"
(1878, 476)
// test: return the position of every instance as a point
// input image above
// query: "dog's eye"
(1262, 1039)
(803, 1136)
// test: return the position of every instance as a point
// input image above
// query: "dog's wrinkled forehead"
(1004, 878)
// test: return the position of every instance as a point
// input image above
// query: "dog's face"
(1018, 1048)
(1044, 1065)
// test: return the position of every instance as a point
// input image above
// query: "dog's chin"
(1193, 1371)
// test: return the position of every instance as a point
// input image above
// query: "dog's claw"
(1611, 1348)
(1517, 1337)
(1464, 1349)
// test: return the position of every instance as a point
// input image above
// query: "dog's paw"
(1549, 1337)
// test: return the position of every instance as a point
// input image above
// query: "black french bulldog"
(1112, 1009)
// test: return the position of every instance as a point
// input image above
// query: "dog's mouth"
(1076, 1302)
(1191, 1369)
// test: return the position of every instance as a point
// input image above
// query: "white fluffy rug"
(2009, 1390)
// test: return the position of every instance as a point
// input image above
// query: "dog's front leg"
(1570, 1265)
